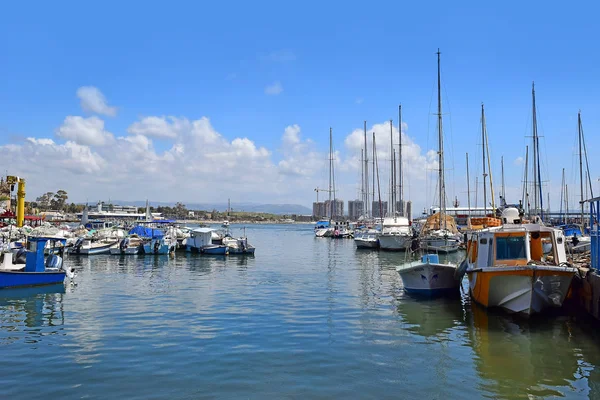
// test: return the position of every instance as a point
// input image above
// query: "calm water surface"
(304, 318)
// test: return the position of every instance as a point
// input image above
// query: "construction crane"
(320, 190)
(20, 182)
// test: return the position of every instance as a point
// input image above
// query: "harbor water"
(304, 318)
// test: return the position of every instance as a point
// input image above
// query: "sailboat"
(225, 223)
(439, 233)
(324, 228)
(429, 276)
(396, 232)
(520, 266)
(577, 240)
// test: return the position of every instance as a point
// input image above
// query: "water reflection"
(431, 317)
(520, 358)
(30, 313)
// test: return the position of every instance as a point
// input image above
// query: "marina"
(396, 201)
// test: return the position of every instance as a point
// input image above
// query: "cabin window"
(559, 240)
(510, 248)
(483, 241)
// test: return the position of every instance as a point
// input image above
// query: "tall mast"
(441, 183)
(373, 192)
(476, 187)
(562, 192)
(400, 176)
(366, 177)
(376, 168)
(330, 172)
(392, 170)
(483, 159)
(580, 167)
(468, 188)
(535, 153)
(526, 183)
(503, 187)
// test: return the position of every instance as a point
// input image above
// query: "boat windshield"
(510, 248)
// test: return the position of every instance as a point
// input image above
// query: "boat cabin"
(517, 245)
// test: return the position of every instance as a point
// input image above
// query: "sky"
(205, 101)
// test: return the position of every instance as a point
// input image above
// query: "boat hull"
(394, 242)
(429, 279)
(440, 245)
(326, 232)
(11, 279)
(366, 243)
(130, 251)
(523, 290)
(150, 249)
(104, 249)
(216, 250)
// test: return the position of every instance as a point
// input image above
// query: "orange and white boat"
(520, 267)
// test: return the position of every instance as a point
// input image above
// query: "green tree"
(44, 201)
(61, 198)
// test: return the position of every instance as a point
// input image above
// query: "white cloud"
(519, 161)
(85, 131)
(92, 100)
(274, 89)
(158, 127)
(291, 135)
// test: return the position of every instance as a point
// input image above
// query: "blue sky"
(335, 66)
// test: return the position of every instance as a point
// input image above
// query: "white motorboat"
(429, 277)
(441, 241)
(367, 239)
(88, 246)
(396, 234)
(238, 245)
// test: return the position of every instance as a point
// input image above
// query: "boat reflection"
(31, 311)
(524, 358)
(431, 318)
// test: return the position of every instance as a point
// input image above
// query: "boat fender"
(156, 246)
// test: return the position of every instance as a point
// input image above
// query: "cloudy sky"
(203, 102)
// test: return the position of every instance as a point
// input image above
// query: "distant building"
(335, 208)
(376, 210)
(356, 208)
(319, 210)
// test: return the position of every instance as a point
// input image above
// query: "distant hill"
(279, 209)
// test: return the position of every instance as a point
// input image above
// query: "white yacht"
(396, 234)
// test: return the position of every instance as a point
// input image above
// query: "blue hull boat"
(38, 269)
(217, 250)
(11, 279)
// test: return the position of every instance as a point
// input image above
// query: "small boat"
(238, 245)
(225, 224)
(131, 245)
(429, 277)
(89, 246)
(396, 234)
(37, 269)
(200, 241)
(367, 239)
(323, 229)
(508, 268)
(159, 244)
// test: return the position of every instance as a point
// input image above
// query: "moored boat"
(200, 241)
(429, 277)
(396, 234)
(89, 246)
(37, 269)
(508, 268)
(367, 239)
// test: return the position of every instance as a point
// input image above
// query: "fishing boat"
(396, 234)
(37, 269)
(507, 266)
(238, 246)
(200, 241)
(428, 276)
